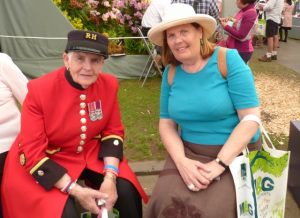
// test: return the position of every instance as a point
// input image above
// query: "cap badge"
(91, 36)
(95, 110)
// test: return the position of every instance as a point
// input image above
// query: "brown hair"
(248, 1)
(206, 49)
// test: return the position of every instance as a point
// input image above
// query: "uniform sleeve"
(240, 80)
(164, 95)
(113, 133)
(33, 143)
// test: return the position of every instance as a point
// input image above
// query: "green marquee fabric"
(33, 33)
(127, 67)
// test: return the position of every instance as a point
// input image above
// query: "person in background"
(240, 29)
(153, 14)
(218, 117)
(209, 7)
(12, 93)
(273, 9)
(71, 129)
(287, 20)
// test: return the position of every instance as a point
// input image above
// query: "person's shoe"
(284, 40)
(265, 59)
(274, 57)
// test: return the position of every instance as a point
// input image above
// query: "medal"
(95, 110)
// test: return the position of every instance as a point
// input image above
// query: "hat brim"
(207, 23)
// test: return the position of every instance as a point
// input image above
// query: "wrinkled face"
(184, 42)
(84, 67)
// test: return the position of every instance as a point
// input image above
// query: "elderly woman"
(71, 129)
(218, 117)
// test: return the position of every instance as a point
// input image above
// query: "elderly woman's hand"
(195, 174)
(108, 186)
(88, 197)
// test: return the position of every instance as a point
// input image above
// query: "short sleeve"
(164, 94)
(241, 84)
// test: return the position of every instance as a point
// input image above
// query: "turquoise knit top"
(204, 104)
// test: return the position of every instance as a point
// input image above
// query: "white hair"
(70, 54)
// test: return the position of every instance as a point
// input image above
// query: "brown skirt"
(172, 199)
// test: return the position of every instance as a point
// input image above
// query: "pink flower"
(105, 16)
(119, 4)
(92, 3)
(122, 20)
(134, 29)
(138, 15)
(106, 3)
(94, 13)
(127, 17)
(138, 6)
(132, 2)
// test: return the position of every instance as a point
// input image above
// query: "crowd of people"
(70, 127)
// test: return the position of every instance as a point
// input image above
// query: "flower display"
(115, 18)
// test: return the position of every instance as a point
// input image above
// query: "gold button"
(83, 120)
(41, 172)
(22, 159)
(116, 142)
(79, 149)
(82, 112)
(82, 105)
(83, 128)
(82, 97)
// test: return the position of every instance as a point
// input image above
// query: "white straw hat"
(178, 14)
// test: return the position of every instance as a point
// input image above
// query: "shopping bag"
(270, 173)
(260, 28)
(244, 186)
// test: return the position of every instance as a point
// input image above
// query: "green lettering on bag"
(264, 184)
(267, 184)
(245, 208)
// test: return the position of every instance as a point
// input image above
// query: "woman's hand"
(108, 186)
(88, 197)
(215, 170)
(194, 173)
(223, 21)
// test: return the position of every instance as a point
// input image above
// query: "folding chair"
(151, 59)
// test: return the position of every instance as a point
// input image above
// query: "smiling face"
(184, 42)
(84, 67)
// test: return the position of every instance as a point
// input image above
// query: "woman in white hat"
(209, 109)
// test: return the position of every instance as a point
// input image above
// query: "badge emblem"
(95, 110)
(22, 159)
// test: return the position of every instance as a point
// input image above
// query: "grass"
(140, 112)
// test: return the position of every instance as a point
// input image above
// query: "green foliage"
(133, 46)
